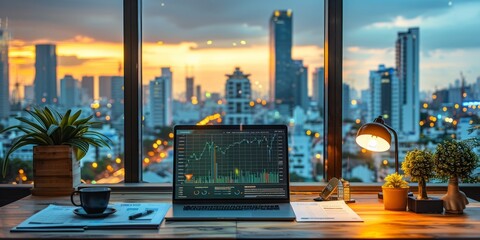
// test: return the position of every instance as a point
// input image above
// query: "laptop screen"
(231, 162)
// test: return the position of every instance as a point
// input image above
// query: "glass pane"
(64, 55)
(249, 62)
(414, 64)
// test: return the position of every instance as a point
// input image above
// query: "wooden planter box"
(56, 170)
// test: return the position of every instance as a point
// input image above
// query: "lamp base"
(380, 195)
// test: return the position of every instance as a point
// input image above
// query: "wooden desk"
(378, 223)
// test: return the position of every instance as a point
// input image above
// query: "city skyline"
(81, 46)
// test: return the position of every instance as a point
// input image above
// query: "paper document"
(63, 218)
(328, 211)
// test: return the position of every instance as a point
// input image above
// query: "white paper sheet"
(327, 211)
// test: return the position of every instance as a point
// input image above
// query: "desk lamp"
(376, 137)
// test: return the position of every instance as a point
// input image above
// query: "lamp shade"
(374, 137)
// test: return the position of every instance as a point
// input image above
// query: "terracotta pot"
(455, 200)
(395, 198)
(56, 171)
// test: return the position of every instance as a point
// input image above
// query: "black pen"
(140, 214)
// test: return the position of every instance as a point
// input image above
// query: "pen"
(140, 214)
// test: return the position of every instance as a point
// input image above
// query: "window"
(65, 55)
(250, 62)
(416, 66)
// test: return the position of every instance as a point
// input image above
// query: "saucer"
(81, 212)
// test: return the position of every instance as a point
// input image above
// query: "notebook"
(231, 172)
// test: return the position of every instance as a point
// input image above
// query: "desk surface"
(378, 223)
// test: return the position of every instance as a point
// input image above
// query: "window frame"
(133, 89)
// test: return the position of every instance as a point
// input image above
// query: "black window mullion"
(132, 27)
(333, 88)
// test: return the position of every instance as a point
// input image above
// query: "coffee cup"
(92, 200)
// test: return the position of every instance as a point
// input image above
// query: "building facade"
(407, 66)
(281, 79)
(88, 87)
(384, 96)
(238, 94)
(69, 92)
(4, 75)
(161, 100)
(189, 82)
(45, 82)
(318, 85)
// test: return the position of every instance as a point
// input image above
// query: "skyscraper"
(4, 76)
(45, 82)
(117, 96)
(88, 86)
(407, 65)
(198, 93)
(189, 90)
(384, 96)
(69, 92)
(105, 87)
(161, 100)
(300, 84)
(319, 87)
(281, 79)
(346, 101)
(238, 93)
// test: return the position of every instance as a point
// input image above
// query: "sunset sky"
(89, 36)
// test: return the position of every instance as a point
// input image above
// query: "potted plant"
(395, 192)
(60, 142)
(455, 160)
(419, 166)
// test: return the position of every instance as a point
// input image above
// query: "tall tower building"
(189, 90)
(318, 85)
(407, 65)
(117, 96)
(88, 86)
(384, 96)
(198, 93)
(4, 76)
(69, 92)
(45, 74)
(238, 93)
(105, 87)
(281, 79)
(161, 100)
(300, 84)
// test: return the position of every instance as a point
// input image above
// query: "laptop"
(230, 172)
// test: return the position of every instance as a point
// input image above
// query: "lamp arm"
(396, 146)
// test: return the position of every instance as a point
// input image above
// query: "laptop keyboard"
(230, 207)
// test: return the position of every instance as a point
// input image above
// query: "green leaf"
(17, 143)
(52, 129)
(65, 118)
(74, 117)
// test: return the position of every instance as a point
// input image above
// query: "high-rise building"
(318, 85)
(198, 93)
(69, 92)
(384, 96)
(238, 94)
(4, 76)
(88, 86)
(300, 84)
(117, 99)
(161, 100)
(105, 87)
(281, 79)
(407, 66)
(189, 90)
(45, 74)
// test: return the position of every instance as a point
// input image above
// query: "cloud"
(397, 22)
(70, 60)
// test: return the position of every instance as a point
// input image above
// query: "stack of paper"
(327, 211)
(62, 218)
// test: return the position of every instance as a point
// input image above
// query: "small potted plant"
(455, 160)
(60, 142)
(395, 192)
(419, 166)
